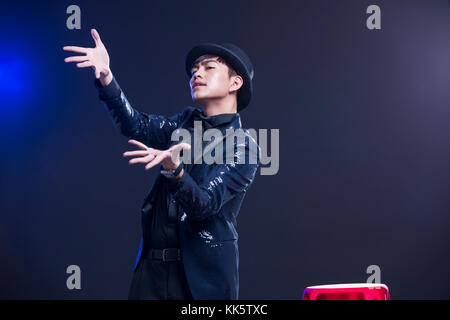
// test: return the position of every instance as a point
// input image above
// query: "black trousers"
(159, 280)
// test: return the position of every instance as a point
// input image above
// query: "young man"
(189, 246)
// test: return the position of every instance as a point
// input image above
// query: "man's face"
(210, 80)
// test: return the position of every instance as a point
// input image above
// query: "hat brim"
(245, 92)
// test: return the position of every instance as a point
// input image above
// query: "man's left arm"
(201, 200)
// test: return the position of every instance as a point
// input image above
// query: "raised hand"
(170, 158)
(96, 58)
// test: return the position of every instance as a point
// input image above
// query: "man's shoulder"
(249, 135)
(184, 114)
(245, 140)
(187, 110)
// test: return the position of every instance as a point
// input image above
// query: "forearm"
(195, 200)
(128, 121)
(124, 117)
(204, 199)
(218, 183)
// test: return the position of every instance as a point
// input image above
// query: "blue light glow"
(12, 76)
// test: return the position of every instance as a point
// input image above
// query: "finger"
(157, 160)
(97, 74)
(135, 153)
(75, 49)
(139, 144)
(84, 64)
(96, 36)
(76, 59)
(146, 159)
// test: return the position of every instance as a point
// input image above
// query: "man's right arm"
(153, 130)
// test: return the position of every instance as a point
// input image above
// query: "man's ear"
(236, 83)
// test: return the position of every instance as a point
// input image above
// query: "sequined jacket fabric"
(209, 196)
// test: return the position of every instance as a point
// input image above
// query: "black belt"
(166, 255)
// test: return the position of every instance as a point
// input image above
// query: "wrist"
(172, 166)
(180, 174)
(175, 173)
(105, 80)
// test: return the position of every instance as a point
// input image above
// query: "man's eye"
(193, 71)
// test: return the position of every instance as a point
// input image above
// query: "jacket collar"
(217, 120)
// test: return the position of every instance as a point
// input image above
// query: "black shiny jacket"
(209, 196)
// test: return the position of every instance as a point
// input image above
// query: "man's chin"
(200, 100)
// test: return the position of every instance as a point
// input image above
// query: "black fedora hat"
(237, 59)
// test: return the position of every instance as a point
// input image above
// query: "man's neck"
(214, 109)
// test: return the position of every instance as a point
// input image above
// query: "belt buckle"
(165, 253)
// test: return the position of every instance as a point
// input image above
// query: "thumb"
(176, 150)
(180, 146)
(185, 146)
(96, 36)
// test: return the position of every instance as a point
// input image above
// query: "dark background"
(364, 142)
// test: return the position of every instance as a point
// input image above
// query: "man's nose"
(196, 75)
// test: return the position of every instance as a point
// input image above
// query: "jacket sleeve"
(223, 182)
(152, 130)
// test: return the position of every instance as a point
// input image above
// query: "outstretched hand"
(169, 159)
(96, 58)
